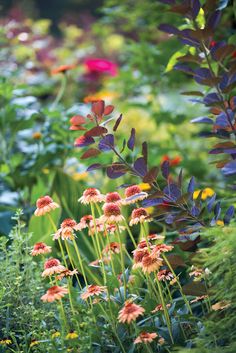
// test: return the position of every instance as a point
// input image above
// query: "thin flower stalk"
(122, 260)
(72, 263)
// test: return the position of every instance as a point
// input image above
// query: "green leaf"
(174, 58)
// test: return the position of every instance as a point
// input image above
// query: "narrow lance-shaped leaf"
(131, 141)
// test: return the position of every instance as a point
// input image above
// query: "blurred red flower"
(101, 66)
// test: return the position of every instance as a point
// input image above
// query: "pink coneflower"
(160, 248)
(101, 66)
(85, 222)
(113, 247)
(165, 275)
(159, 307)
(130, 312)
(133, 194)
(40, 249)
(99, 227)
(112, 228)
(45, 205)
(152, 237)
(138, 256)
(145, 337)
(113, 197)
(112, 213)
(66, 231)
(144, 244)
(66, 273)
(54, 293)
(151, 263)
(91, 195)
(51, 267)
(93, 290)
(139, 215)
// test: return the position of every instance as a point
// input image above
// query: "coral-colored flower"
(138, 256)
(99, 227)
(85, 222)
(93, 290)
(172, 161)
(54, 293)
(151, 263)
(133, 194)
(40, 248)
(91, 195)
(113, 248)
(37, 135)
(164, 275)
(66, 273)
(160, 248)
(130, 312)
(101, 66)
(45, 205)
(113, 197)
(62, 69)
(145, 337)
(112, 213)
(139, 215)
(159, 307)
(199, 299)
(66, 231)
(112, 228)
(153, 237)
(52, 266)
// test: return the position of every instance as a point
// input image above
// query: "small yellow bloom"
(144, 186)
(34, 343)
(37, 135)
(207, 192)
(150, 210)
(56, 334)
(5, 342)
(45, 171)
(72, 335)
(80, 176)
(220, 223)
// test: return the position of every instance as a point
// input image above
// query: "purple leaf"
(187, 39)
(229, 168)
(211, 98)
(202, 74)
(213, 19)
(94, 166)
(229, 214)
(131, 140)
(152, 202)
(106, 143)
(210, 203)
(217, 210)
(195, 7)
(202, 119)
(183, 67)
(164, 27)
(191, 185)
(116, 170)
(165, 169)
(172, 191)
(140, 166)
(145, 151)
(195, 211)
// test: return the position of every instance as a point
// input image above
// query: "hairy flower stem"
(94, 244)
(72, 264)
(178, 283)
(98, 244)
(122, 260)
(130, 233)
(60, 92)
(80, 262)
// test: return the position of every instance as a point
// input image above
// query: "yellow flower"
(34, 343)
(150, 210)
(56, 334)
(45, 171)
(207, 192)
(220, 223)
(5, 342)
(144, 186)
(72, 335)
(80, 176)
(37, 135)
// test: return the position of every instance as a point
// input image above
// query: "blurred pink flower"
(97, 65)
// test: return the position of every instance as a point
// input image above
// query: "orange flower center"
(113, 197)
(68, 222)
(111, 209)
(138, 212)
(39, 246)
(51, 263)
(91, 192)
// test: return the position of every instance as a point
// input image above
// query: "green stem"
(60, 92)
(122, 260)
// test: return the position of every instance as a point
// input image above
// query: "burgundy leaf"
(91, 152)
(145, 151)
(96, 131)
(140, 166)
(98, 108)
(108, 109)
(151, 175)
(94, 166)
(77, 120)
(165, 169)
(116, 170)
(83, 141)
(117, 123)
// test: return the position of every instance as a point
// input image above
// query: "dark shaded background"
(72, 11)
